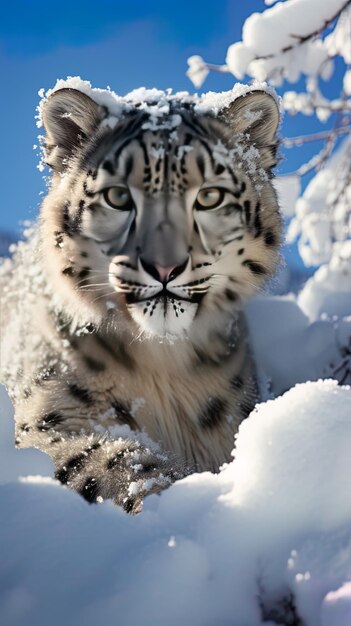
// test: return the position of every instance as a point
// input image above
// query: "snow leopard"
(124, 346)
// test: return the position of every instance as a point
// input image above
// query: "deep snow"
(211, 549)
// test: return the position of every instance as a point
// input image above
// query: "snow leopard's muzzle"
(162, 300)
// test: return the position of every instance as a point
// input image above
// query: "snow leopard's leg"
(123, 470)
(98, 467)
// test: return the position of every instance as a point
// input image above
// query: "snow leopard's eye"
(118, 198)
(209, 198)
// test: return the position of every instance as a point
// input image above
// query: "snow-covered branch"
(318, 16)
(290, 142)
(295, 47)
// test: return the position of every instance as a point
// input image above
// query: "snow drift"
(213, 549)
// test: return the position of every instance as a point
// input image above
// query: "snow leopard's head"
(161, 206)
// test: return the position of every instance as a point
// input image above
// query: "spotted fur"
(133, 324)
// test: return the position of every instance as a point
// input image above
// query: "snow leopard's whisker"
(105, 295)
(94, 275)
(82, 285)
(92, 289)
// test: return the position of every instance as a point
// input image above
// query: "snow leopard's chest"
(192, 410)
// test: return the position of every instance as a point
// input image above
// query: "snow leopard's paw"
(149, 473)
(122, 470)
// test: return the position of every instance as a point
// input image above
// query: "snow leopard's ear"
(69, 117)
(255, 115)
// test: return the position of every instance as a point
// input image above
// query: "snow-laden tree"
(287, 42)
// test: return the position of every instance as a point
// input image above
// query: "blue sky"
(124, 44)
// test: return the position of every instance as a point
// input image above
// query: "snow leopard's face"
(165, 214)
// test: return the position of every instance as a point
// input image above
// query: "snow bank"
(280, 466)
(212, 549)
(289, 348)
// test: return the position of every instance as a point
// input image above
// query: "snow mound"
(277, 444)
(213, 549)
(289, 348)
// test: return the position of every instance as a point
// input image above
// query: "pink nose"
(162, 273)
(165, 272)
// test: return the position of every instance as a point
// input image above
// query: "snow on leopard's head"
(161, 210)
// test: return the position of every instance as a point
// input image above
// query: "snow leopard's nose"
(164, 274)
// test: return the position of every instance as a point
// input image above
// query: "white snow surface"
(210, 548)
(289, 347)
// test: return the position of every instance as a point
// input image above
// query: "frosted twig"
(290, 142)
(218, 68)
